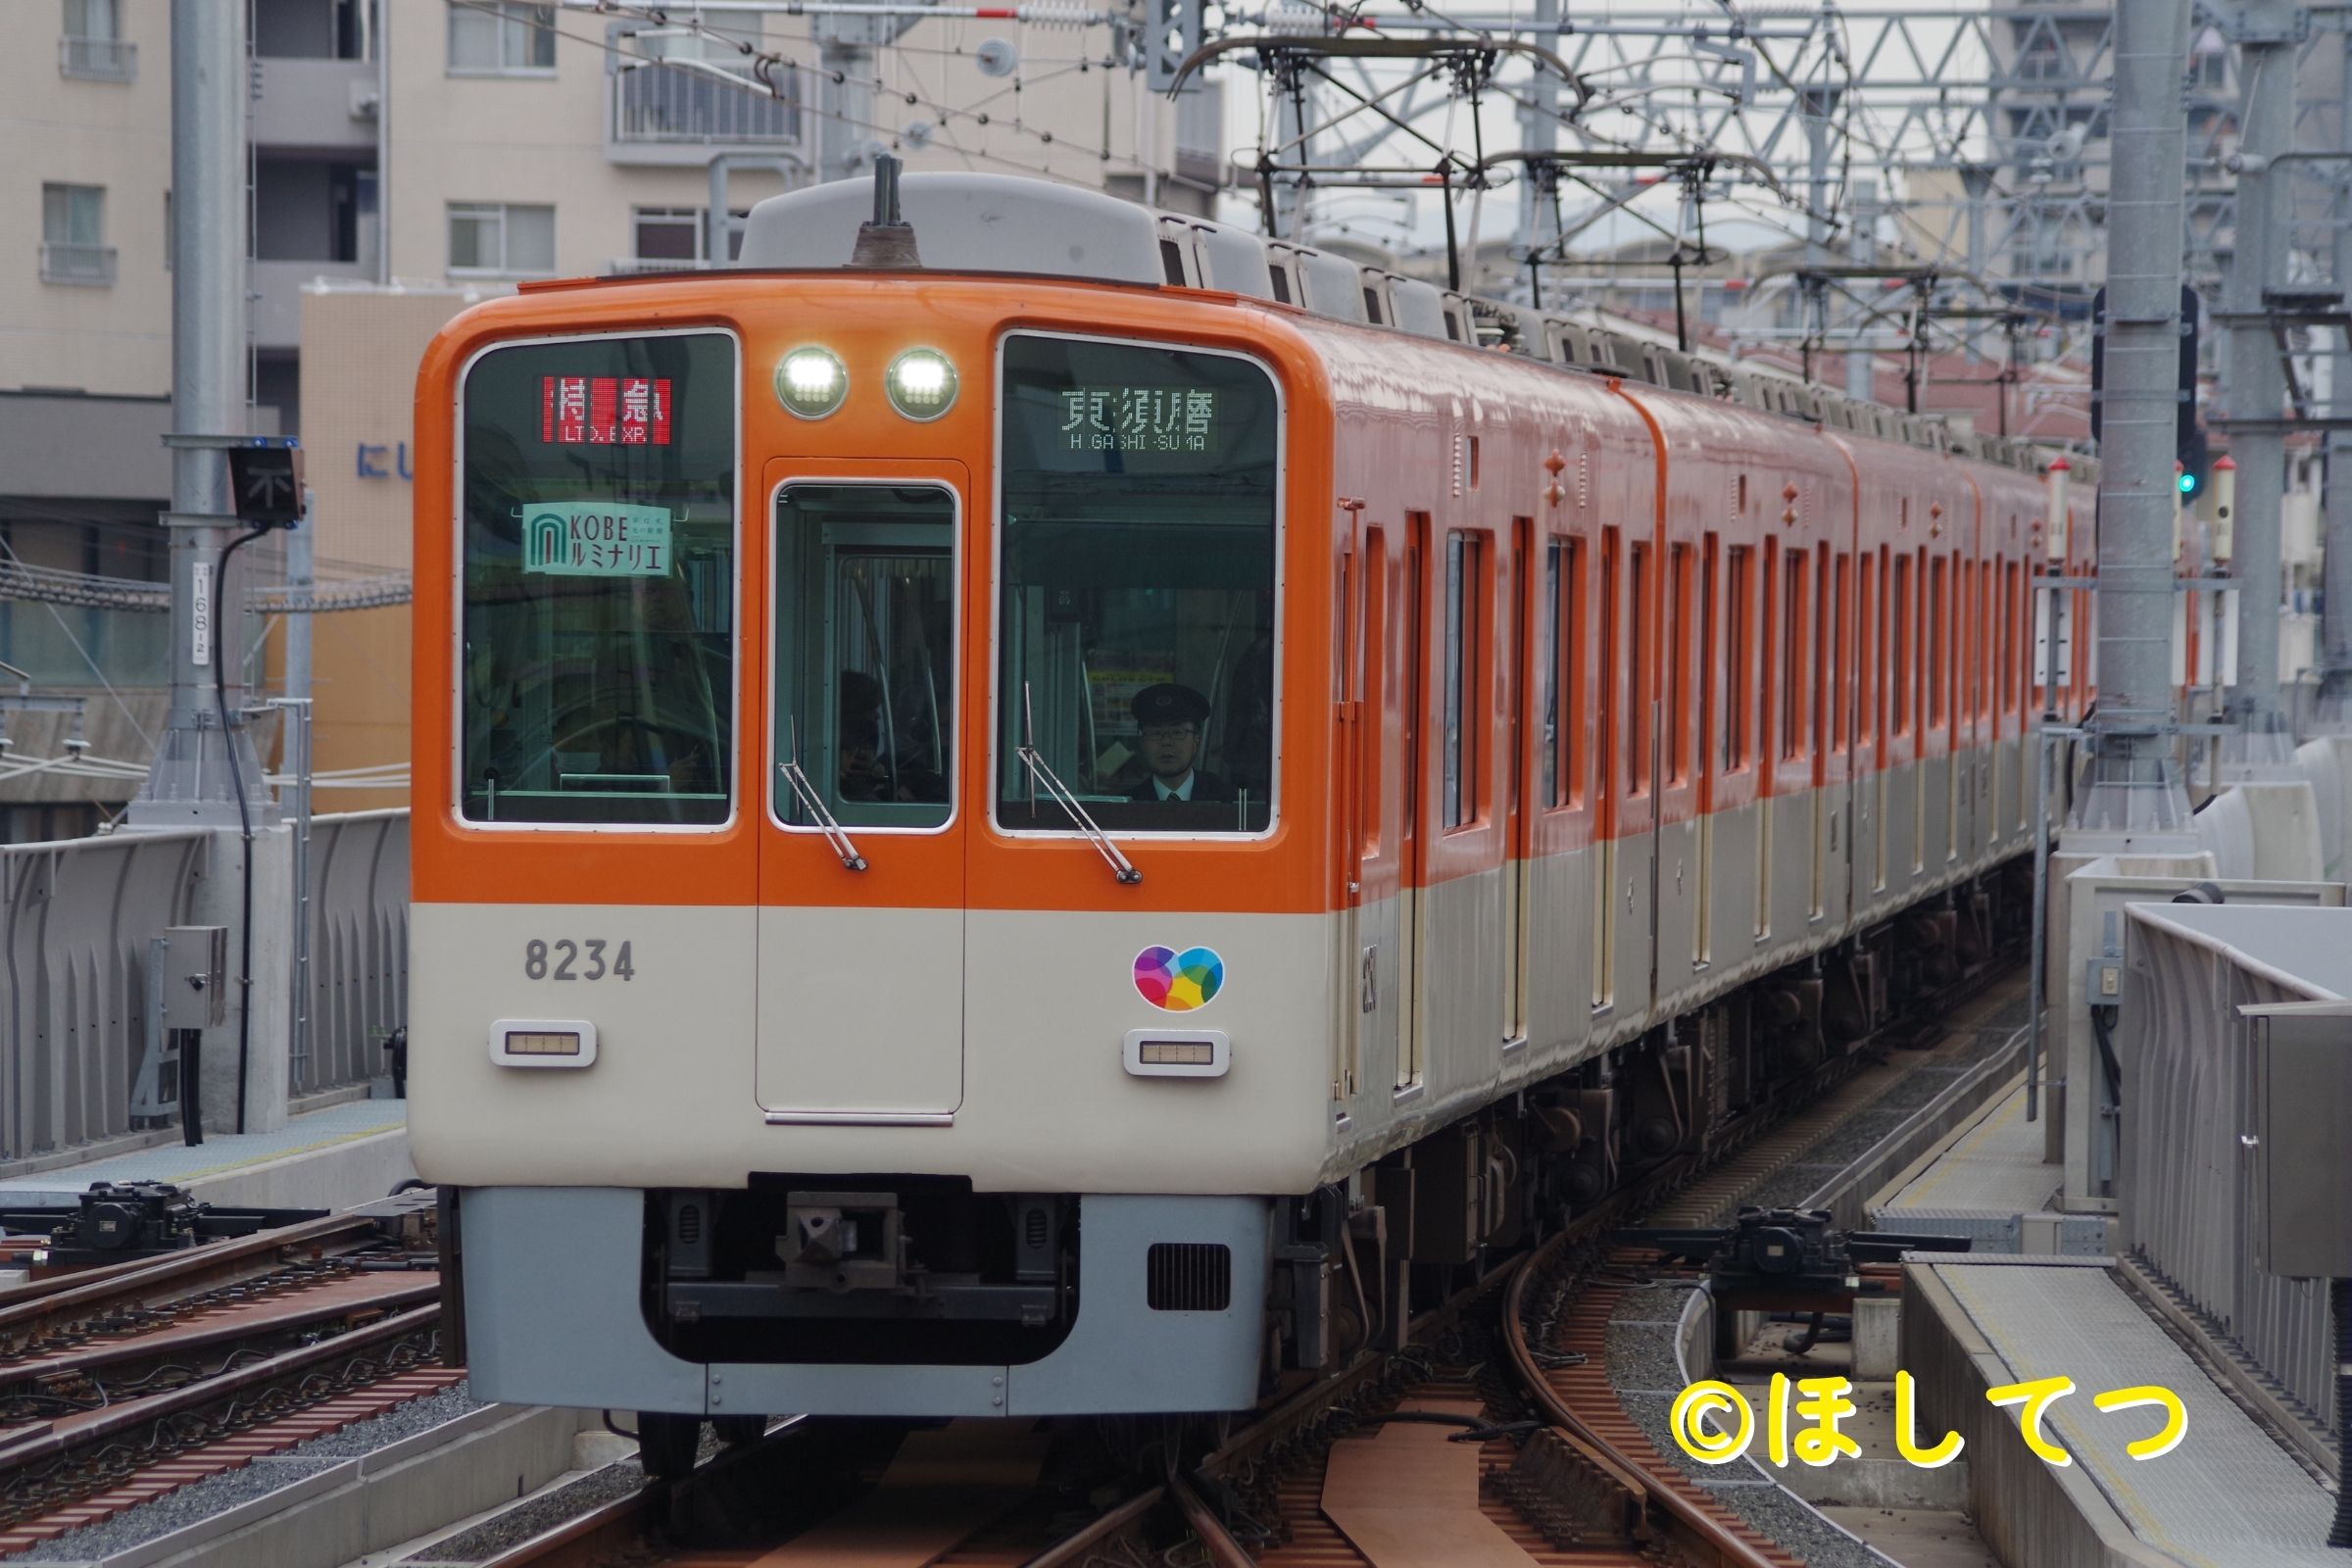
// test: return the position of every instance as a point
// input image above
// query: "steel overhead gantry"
(1546, 166)
(1290, 59)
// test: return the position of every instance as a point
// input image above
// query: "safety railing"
(706, 103)
(76, 918)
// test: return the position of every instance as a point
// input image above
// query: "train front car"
(871, 934)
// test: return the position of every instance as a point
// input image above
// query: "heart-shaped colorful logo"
(1179, 982)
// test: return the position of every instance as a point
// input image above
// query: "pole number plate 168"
(567, 959)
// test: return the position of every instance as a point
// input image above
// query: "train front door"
(862, 879)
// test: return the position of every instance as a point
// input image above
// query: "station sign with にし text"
(596, 539)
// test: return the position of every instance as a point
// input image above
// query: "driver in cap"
(1170, 717)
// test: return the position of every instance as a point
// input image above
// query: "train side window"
(1373, 653)
(1738, 725)
(1610, 746)
(1641, 727)
(596, 538)
(1565, 591)
(1768, 644)
(1867, 645)
(1550, 623)
(1840, 640)
(1793, 667)
(866, 654)
(1137, 624)
(1681, 620)
(1465, 662)
(1710, 659)
(2012, 686)
(1939, 673)
(1899, 673)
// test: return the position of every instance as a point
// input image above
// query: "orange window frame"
(1900, 673)
(1939, 632)
(1738, 719)
(1679, 709)
(1468, 665)
(1796, 669)
(1640, 726)
(1840, 662)
(1604, 729)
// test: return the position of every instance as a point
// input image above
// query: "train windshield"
(596, 682)
(1137, 588)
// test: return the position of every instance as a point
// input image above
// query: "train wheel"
(739, 1428)
(667, 1444)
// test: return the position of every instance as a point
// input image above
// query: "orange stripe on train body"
(1346, 395)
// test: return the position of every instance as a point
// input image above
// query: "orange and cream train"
(1058, 826)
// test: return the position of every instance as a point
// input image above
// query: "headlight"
(921, 383)
(812, 381)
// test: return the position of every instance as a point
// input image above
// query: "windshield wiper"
(1063, 797)
(805, 793)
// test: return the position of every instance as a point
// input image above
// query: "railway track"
(121, 1384)
(1494, 1438)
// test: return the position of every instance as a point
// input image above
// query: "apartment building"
(434, 151)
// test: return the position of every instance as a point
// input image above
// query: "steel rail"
(199, 1267)
(593, 1538)
(134, 1345)
(1696, 1528)
(119, 1421)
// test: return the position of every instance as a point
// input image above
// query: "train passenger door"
(1375, 689)
(861, 854)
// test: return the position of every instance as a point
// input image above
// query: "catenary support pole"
(2267, 31)
(190, 783)
(1861, 249)
(2335, 614)
(2133, 787)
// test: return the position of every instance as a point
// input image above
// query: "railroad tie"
(1407, 1497)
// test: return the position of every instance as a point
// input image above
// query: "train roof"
(976, 223)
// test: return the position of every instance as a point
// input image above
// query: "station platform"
(335, 1157)
(1988, 1179)
(2228, 1495)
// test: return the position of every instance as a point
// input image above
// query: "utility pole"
(2267, 33)
(1539, 128)
(848, 122)
(2336, 559)
(205, 773)
(1861, 249)
(1819, 103)
(2136, 790)
(191, 784)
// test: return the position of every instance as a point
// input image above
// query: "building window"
(506, 238)
(92, 47)
(73, 248)
(501, 37)
(674, 238)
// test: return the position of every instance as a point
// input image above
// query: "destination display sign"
(621, 411)
(596, 539)
(1140, 419)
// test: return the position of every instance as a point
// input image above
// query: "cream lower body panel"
(674, 1100)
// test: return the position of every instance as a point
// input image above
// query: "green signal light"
(2187, 484)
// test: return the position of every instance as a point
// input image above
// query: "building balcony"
(78, 263)
(277, 296)
(315, 104)
(683, 114)
(97, 59)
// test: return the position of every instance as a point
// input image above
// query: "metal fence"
(707, 104)
(359, 955)
(2190, 1199)
(74, 997)
(76, 918)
